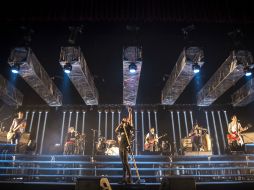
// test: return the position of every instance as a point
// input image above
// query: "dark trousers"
(69, 148)
(196, 143)
(15, 140)
(123, 152)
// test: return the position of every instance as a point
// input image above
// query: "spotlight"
(247, 71)
(196, 68)
(132, 68)
(15, 68)
(67, 68)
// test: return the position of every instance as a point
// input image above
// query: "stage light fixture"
(196, 68)
(248, 71)
(67, 68)
(182, 74)
(34, 75)
(132, 64)
(15, 68)
(74, 64)
(132, 67)
(227, 75)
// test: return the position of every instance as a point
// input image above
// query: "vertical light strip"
(43, 131)
(106, 124)
(70, 116)
(37, 131)
(143, 134)
(31, 123)
(113, 121)
(226, 116)
(99, 124)
(207, 123)
(191, 117)
(186, 124)
(179, 125)
(119, 117)
(136, 132)
(27, 112)
(156, 121)
(173, 128)
(222, 131)
(76, 123)
(216, 134)
(83, 122)
(62, 130)
(149, 119)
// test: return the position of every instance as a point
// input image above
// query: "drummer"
(69, 146)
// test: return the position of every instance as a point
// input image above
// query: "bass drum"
(113, 151)
(186, 144)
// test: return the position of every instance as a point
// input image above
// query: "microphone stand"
(92, 157)
(132, 155)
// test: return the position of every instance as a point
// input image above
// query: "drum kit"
(107, 147)
(78, 145)
(205, 140)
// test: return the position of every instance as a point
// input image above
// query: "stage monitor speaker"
(249, 148)
(176, 183)
(92, 183)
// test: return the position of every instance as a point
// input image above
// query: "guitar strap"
(18, 123)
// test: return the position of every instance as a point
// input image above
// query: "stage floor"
(115, 186)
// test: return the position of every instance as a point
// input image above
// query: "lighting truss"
(9, 94)
(80, 75)
(226, 76)
(131, 55)
(35, 75)
(182, 74)
(244, 95)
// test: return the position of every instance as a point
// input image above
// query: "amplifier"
(249, 148)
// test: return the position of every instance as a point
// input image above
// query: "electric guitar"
(12, 132)
(150, 143)
(236, 136)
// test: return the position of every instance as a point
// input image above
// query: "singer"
(125, 129)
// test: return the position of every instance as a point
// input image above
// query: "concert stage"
(62, 171)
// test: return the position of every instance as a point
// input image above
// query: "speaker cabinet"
(87, 183)
(176, 183)
(92, 183)
(249, 148)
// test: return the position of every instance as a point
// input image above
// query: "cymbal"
(110, 142)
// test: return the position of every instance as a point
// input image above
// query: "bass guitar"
(12, 132)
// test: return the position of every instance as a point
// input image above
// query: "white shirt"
(234, 127)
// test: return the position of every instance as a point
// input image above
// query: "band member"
(17, 128)
(196, 137)
(234, 133)
(69, 147)
(151, 141)
(125, 129)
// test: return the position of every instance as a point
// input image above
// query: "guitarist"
(17, 129)
(151, 141)
(234, 133)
